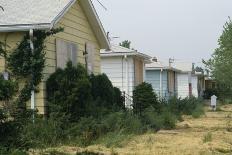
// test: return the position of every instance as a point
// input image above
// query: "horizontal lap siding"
(182, 85)
(115, 69)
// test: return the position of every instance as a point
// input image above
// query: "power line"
(1, 8)
(103, 6)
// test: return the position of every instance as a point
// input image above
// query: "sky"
(186, 30)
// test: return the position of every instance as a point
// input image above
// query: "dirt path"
(209, 135)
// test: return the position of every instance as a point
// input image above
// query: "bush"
(103, 91)
(186, 106)
(143, 98)
(210, 92)
(156, 121)
(69, 92)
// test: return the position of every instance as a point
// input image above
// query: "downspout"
(161, 82)
(144, 72)
(33, 91)
(127, 76)
(5, 73)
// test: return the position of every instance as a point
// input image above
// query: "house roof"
(122, 51)
(159, 66)
(22, 15)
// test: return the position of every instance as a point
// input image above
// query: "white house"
(188, 81)
(125, 68)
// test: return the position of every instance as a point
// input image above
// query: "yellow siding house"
(83, 32)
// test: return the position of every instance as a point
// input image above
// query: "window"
(65, 51)
(90, 48)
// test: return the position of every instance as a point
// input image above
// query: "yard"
(210, 134)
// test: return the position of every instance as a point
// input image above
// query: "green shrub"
(103, 91)
(69, 92)
(186, 106)
(143, 98)
(156, 121)
(168, 120)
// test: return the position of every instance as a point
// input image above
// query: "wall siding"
(115, 69)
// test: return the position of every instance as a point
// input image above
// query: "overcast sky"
(183, 29)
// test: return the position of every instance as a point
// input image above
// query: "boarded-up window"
(139, 71)
(90, 57)
(65, 51)
(171, 82)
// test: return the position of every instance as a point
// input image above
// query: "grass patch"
(54, 152)
(229, 124)
(223, 150)
(88, 153)
(208, 137)
(114, 139)
(198, 111)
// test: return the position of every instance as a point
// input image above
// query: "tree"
(126, 44)
(143, 98)
(221, 61)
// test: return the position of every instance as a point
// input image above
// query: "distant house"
(162, 78)
(125, 68)
(189, 82)
(83, 33)
(179, 80)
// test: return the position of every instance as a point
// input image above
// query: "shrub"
(103, 91)
(156, 121)
(186, 106)
(210, 92)
(69, 92)
(144, 97)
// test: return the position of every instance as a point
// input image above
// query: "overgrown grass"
(88, 153)
(229, 123)
(114, 139)
(208, 137)
(7, 151)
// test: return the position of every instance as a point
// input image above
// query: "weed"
(88, 153)
(207, 137)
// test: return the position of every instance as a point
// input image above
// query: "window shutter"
(74, 52)
(61, 54)
(65, 51)
(90, 57)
